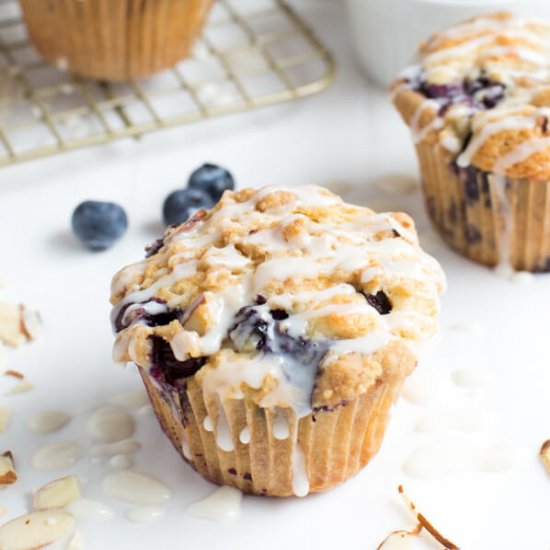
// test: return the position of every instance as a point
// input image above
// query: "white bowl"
(386, 33)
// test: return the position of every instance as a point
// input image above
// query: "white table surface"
(347, 137)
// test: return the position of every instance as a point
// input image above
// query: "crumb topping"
(283, 293)
(481, 90)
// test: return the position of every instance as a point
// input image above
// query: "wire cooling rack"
(253, 53)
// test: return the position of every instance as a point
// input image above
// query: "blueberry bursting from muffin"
(255, 327)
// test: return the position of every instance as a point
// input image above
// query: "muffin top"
(288, 296)
(481, 90)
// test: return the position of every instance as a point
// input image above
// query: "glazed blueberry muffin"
(477, 104)
(273, 333)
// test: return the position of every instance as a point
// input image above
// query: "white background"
(347, 138)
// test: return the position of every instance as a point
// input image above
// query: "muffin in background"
(478, 103)
(114, 40)
(273, 334)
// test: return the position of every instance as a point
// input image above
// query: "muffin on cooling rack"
(114, 40)
(272, 333)
(478, 103)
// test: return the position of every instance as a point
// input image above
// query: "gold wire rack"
(252, 53)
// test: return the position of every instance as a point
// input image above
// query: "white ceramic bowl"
(386, 33)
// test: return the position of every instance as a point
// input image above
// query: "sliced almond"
(3, 358)
(56, 494)
(425, 524)
(8, 475)
(15, 374)
(31, 323)
(10, 325)
(545, 454)
(5, 415)
(35, 530)
(22, 386)
(394, 539)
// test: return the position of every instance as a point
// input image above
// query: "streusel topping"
(483, 94)
(287, 294)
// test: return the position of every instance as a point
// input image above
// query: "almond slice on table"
(5, 415)
(21, 386)
(3, 357)
(56, 494)
(8, 474)
(10, 325)
(31, 323)
(392, 540)
(545, 454)
(18, 324)
(425, 524)
(35, 530)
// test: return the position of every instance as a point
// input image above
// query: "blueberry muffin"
(273, 333)
(114, 40)
(477, 104)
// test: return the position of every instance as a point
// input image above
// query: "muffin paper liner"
(335, 444)
(114, 40)
(490, 219)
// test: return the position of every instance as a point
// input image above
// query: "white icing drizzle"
(509, 123)
(207, 424)
(145, 514)
(422, 386)
(111, 424)
(245, 436)
(48, 421)
(224, 439)
(449, 456)
(417, 131)
(504, 267)
(280, 428)
(300, 480)
(185, 448)
(471, 378)
(121, 462)
(133, 399)
(223, 504)
(76, 542)
(440, 458)
(521, 153)
(90, 510)
(134, 487)
(124, 446)
(502, 457)
(469, 420)
(57, 456)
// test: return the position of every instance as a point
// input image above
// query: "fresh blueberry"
(99, 224)
(213, 179)
(183, 203)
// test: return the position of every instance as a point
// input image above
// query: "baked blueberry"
(380, 302)
(212, 179)
(164, 361)
(153, 313)
(183, 203)
(99, 224)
